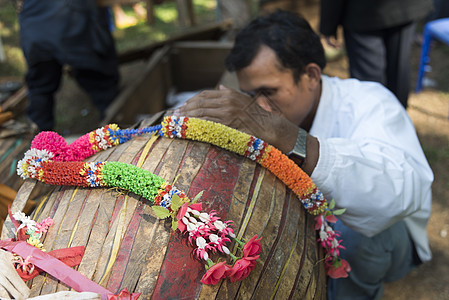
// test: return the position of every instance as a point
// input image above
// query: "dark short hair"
(287, 34)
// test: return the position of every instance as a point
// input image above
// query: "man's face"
(275, 90)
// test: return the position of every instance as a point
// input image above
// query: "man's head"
(278, 61)
(287, 34)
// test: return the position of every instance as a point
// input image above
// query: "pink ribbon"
(58, 269)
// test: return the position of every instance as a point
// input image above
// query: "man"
(75, 33)
(361, 148)
(378, 38)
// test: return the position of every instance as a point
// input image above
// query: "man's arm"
(239, 111)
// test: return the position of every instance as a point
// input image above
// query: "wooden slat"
(136, 263)
(180, 275)
(167, 171)
(210, 31)
(236, 213)
(122, 222)
(190, 165)
(21, 199)
(123, 259)
(66, 229)
(296, 265)
(280, 252)
(198, 65)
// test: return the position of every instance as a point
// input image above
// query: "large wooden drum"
(127, 246)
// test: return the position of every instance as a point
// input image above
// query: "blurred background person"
(378, 35)
(55, 33)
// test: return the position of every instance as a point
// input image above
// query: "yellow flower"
(36, 243)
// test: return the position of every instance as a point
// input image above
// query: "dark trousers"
(43, 80)
(382, 56)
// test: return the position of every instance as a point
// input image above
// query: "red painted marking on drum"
(180, 274)
(119, 268)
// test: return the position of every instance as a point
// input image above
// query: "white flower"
(201, 242)
(323, 235)
(19, 216)
(225, 249)
(204, 217)
(219, 225)
(191, 227)
(213, 238)
(193, 211)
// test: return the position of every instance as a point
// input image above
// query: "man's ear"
(313, 72)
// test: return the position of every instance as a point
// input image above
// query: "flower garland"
(52, 161)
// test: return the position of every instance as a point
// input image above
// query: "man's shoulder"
(348, 88)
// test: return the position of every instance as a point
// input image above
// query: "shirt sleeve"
(374, 167)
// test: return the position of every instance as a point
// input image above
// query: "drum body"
(127, 246)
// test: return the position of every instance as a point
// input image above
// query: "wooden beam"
(212, 31)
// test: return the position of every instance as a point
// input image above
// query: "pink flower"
(319, 221)
(123, 295)
(212, 216)
(242, 268)
(339, 269)
(44, 225)
(215, 273)
(331, 219)
(181, 213)
(219, 242)
(252, 247)
(224, 227)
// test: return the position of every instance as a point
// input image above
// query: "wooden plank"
(296, 265)
(137, 259)
(153, 260)
(190, 165)
(198, 65)
(9, 162)
(136, 99)
(237, 209)
(66, 229)
(180, 275)
(107, 233)
(17, 102)
(210, 31)
(8, 230)
(126, 252)
(57, 213)
(155, 156)
(169, 162)
(277, 262)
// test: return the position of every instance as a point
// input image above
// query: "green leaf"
(339, 211)
(174, 224)
(160, 212)
(332, 204)
(198, 196)
(175, 202)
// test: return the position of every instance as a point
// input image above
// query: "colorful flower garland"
(52, 161)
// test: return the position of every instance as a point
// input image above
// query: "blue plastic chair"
(437, 29)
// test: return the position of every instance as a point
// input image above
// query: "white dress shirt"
(371, 161)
